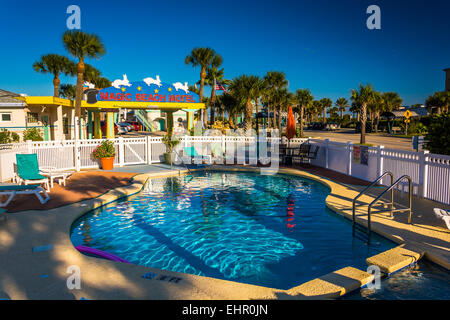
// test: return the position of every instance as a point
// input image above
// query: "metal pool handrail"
(391, 188)
(370, 186)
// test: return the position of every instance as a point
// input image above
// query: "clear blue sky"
(322, 45)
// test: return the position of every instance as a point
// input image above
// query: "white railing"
(430, 173)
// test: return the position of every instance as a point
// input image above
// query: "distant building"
(54, 122)
(447, 79)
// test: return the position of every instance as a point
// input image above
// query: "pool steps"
(394, 259)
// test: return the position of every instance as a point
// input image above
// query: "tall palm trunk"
(56, 83)
(377, 115)
(274, 117)
(363, 123)
(324, 114)
(213, 102)
(342, 114)
(202, 85)
(79, 92)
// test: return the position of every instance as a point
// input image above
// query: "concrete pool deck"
(43, 273)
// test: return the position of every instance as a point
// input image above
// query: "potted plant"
(106, 152)
(170, 142)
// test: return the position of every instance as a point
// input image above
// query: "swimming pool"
(272, 231)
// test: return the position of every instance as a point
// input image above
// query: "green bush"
(438, 133)
(32, 134)
(8, 136)
(415, 128)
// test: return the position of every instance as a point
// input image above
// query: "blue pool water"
(271, 231)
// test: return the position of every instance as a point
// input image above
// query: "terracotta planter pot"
(107, 163)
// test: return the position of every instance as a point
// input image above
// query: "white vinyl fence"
(430, 173)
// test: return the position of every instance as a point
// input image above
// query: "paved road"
(345, 135)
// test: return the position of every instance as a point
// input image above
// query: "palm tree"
(392, 101)
(68, 91)
(90, 73)
(316, 109)
(203, 57)
(342, 104)
(305, 99)
(232, 106)
(247, 89)
(101, 82)
(356, 108)
(326, 103)
(82, 45)
(439, 100)
(56, 65)
(375, 108)
(333, 112)
(273, 80)
(362, 97)
(213, 75)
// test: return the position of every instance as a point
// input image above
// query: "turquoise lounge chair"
(12, 190)
(28, 170)
(191, 152)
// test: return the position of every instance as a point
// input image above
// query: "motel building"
(157, 106)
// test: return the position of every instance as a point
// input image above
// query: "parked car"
(136, 125)
(123, 128)
(127, 125)
(103, 127)
(316, 126)
(332, 126)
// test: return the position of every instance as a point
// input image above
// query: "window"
(5, 116)
(65, 125)
(32, 117)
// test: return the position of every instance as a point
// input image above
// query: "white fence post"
(379, 161)
(423, 174)
(349, 158)
(29, 146)
(326, 152)
(121, 152)
(76, 155)
(223, 144)
(148, 145)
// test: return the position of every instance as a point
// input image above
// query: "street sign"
(407, 114)
(407, 120)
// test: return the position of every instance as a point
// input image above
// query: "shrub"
(438, 133)
(105, 150)
(32, 134)
(415, 127)
(8, 136)
(170, 142)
